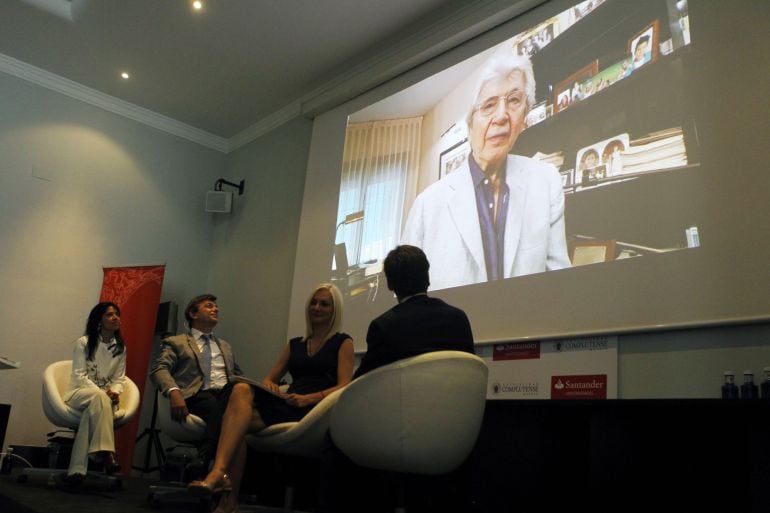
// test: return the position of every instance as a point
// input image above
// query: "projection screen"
(649, 116)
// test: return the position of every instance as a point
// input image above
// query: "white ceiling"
(236, 63)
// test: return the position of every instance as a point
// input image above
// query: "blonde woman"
(319, 363)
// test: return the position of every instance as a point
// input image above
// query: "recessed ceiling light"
(197, 5)
(124, 75)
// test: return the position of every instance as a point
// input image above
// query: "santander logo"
(586, 386)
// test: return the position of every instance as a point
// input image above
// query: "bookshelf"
(643, 205)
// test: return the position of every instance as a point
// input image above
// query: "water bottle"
(766, 383)
(749, 390)
(729, 388)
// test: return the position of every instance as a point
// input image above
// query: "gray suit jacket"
(179, 364)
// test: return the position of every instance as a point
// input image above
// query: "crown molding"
(399, 55)
(265, 125)
(472, 19)
(109, 103)
(406, 52)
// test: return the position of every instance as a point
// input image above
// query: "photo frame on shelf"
(612, 155)
(567, 178)
(643, 46)
(534, 40)
(600, 160)
(452, 158)
(562, 100)
(564, 94)
(586, 252)
(607, 77)
(585, 163)
(596, 173)
(582, 9)
(537, 114)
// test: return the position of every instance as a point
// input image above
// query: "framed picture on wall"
(452, 158)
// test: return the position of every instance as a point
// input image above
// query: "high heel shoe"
(211, 486)
(110, 465)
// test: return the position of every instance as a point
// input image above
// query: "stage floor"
(35, 496)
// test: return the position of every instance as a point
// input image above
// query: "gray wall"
(689, 363)
(81, 188)
(253, 248)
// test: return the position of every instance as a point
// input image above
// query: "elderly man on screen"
(498, 215)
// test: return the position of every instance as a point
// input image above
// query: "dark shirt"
(313, 373)
(309, 374)
(492, 230)
(418, 325)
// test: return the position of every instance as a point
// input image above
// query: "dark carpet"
(37, 496)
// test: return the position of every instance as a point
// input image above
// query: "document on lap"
(258, 384)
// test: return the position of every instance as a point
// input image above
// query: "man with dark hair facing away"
(418, 324)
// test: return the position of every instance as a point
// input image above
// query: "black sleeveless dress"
(309, 374)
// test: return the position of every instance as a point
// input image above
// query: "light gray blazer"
(179, 364)
(444, 222)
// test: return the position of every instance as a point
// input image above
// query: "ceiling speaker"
(219, 201)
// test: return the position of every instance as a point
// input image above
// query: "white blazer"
(444, 222)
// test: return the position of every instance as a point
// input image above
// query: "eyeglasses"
(512, 102)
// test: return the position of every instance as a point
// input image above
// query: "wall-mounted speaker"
(166, 321)
(219, 202)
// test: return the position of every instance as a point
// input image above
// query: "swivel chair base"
(56, 476)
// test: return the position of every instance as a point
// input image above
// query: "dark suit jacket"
(179, 364)
(419, 325)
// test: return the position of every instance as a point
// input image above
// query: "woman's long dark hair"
(93, 327)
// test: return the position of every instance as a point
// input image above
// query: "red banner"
(136, 290)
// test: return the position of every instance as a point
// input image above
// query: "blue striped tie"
(206, 361)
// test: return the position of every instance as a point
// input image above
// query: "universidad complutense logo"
(580, 386)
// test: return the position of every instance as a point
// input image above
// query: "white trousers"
(95, 432)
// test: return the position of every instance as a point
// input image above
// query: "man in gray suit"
(194, 370)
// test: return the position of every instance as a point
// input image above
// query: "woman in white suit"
(97, 380)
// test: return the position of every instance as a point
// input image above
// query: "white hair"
(502, 65)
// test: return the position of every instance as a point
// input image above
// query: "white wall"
(254, 247)
(81, 188)
(689, 363)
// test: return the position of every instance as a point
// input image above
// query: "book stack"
(664, 149)
(556, 158)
